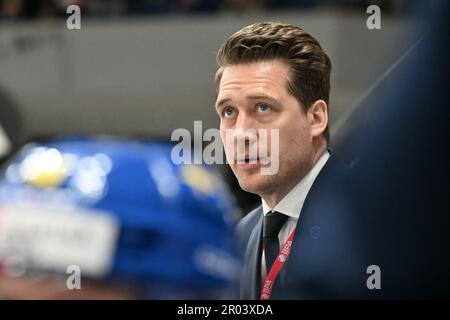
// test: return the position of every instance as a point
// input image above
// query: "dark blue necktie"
(273, 222)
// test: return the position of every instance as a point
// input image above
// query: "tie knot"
(273, 221)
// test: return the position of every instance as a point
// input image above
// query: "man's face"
(255, 96)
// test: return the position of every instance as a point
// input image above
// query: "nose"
(245, 132)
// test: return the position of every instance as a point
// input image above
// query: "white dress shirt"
(292, 204)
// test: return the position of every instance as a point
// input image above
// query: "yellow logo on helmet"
(44, 167)
(199, 179)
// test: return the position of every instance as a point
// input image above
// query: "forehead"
(262, 77)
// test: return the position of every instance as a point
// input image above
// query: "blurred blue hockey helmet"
(119, 209)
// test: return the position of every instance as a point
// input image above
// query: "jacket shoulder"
(247, 223)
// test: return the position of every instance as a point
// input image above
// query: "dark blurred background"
(48, 9)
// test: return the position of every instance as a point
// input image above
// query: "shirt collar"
(292, 203)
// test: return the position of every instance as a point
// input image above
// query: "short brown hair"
(309, 65)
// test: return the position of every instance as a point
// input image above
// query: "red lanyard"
(282, 257)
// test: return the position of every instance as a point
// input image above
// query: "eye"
(263, 107)
(228, 112)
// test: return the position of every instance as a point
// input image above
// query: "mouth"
(247, 162)
(247, 159)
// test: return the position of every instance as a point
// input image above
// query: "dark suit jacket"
(327, 260)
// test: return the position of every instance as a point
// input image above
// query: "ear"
(318, 117)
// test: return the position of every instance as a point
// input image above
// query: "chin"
(256, 185)
(247, 187)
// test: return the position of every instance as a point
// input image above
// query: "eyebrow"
(221, 102)
(253, 97)
(261, 96)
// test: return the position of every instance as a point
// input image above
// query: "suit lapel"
(306, 213)
(252, 274)
(314, 194)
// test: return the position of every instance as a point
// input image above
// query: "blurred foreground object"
(397, 144)
(132, 222)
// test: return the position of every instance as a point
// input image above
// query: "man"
(104, 218)
(275, 76)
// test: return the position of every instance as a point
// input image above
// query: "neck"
(273, 198)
